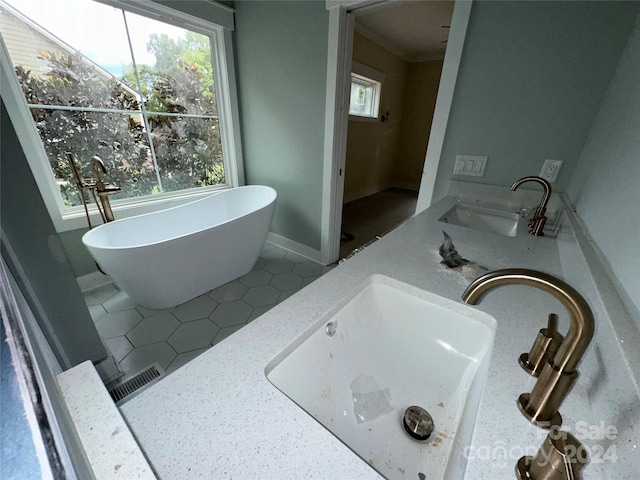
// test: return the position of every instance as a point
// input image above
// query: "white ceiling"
(411, 29)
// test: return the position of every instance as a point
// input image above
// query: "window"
(366, 88)
(365, 96)
(145, 95)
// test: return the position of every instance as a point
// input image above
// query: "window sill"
(76, 219)
(358, 118)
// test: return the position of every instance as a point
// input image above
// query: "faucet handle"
(544, 348)
(537, 223)
(560, 457)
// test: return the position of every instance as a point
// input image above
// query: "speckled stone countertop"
(219, 416)
(110, 448)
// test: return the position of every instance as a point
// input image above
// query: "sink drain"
(417, 423)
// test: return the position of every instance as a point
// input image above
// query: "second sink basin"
(388, 346)
(487, 219)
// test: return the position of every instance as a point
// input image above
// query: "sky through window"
(89, 26)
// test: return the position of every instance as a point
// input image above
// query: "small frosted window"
(365, 96)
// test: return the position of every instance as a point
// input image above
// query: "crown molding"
(383, 42)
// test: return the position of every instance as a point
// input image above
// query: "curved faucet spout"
(581, 326)
(545, 185)
(558, 375)
(97, 165)
(536, 224)
(103, 191)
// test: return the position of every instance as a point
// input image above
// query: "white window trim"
(66, 218)
(220, 15)
(358, 70)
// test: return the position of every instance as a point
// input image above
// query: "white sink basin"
(412, 348)
(487, 219)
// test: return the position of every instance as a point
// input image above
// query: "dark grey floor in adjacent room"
(374, 215)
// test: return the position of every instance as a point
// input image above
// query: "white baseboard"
(93, 280)
(295, 247)
(407, 186)
(370, 190)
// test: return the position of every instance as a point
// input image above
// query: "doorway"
(403, 45)
(341, 38)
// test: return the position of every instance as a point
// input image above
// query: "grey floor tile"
(229, 292)
(225, 332)
(153, 330)
(118, 347)
(308, 269)
(193, 335)
(119, 302)
(200, 307)
(100, 294)
(309, 280)
(262, 295)
(260, 263)
(270, 252)
(256, 278)
(286, 294)
(231, 313)
(96, 312)
(142, 357)
(286, 281)
(148, 312)
(278, 266)
(228, 308)
(118, 323)
(183, 358)
(259, 311)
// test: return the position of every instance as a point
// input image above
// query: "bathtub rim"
(271, 201)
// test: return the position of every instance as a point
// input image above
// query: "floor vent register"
(129, 388)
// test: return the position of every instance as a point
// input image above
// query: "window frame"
(365, 75)
(71, 218)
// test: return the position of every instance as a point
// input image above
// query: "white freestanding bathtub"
(165, 258)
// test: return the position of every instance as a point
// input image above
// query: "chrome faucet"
(557, 377)
(536, 224)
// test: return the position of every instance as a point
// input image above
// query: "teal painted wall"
(281, 61)
(605, 187)
(531, 79)
(58, 304)
(81, 261)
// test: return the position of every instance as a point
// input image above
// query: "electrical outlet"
(550, 170)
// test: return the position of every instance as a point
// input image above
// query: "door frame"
(342, 15)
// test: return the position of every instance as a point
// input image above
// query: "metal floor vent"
(127, 389)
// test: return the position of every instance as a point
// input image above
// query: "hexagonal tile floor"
(137, 336)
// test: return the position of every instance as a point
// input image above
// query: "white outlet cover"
(550, 170)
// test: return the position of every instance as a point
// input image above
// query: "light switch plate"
(470, 165)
